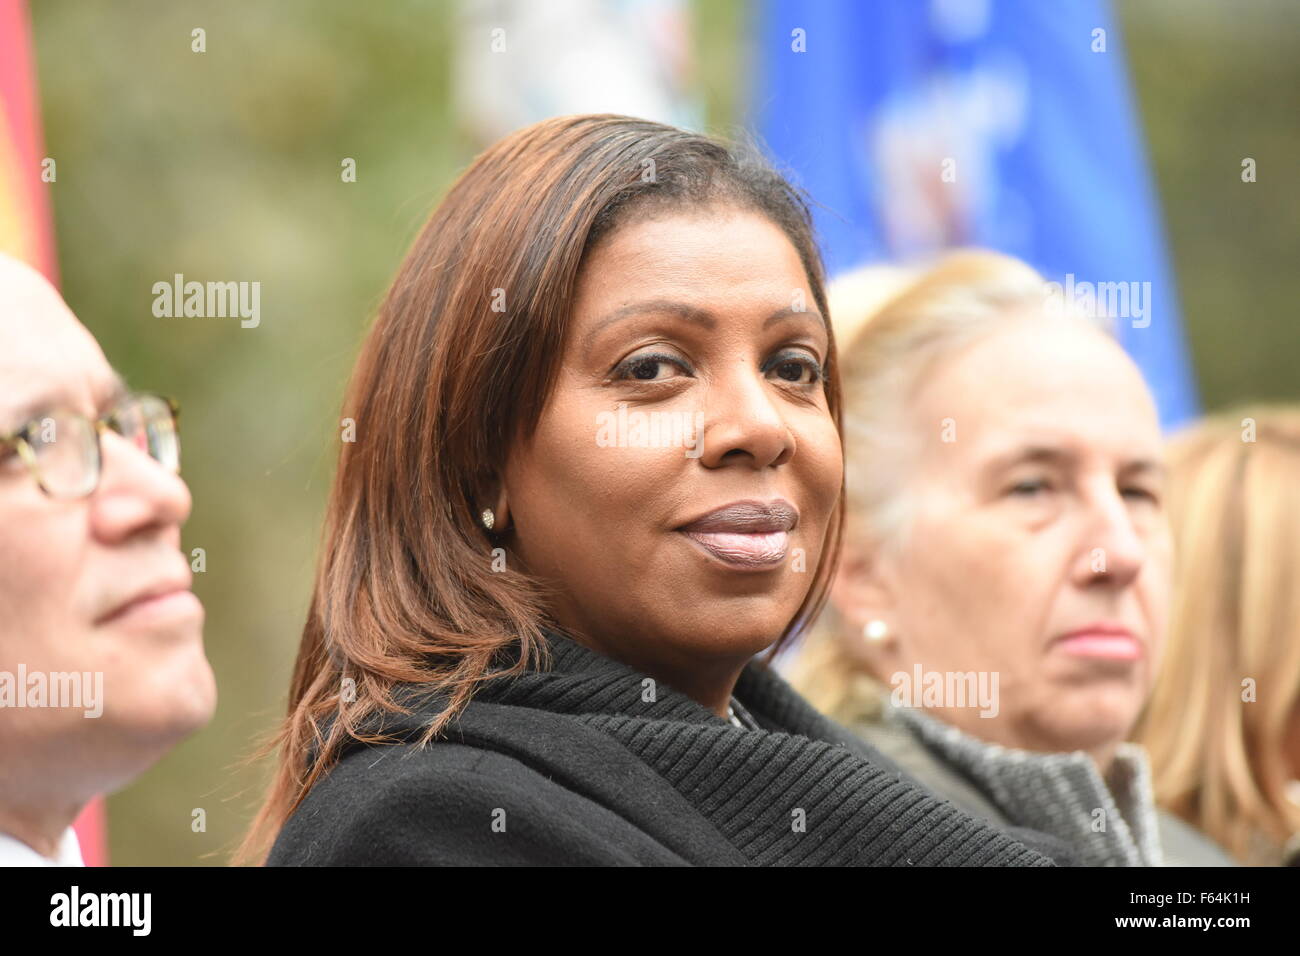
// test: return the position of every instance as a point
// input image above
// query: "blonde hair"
(1217, 757)
(893, 325)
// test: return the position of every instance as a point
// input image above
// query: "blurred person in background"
(1223, 723)
(102, 669)
(999, 615)
(534, 643)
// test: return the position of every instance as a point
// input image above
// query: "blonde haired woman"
(999, 614)
(1223, 724)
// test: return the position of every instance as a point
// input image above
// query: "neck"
(41, 826)
(708, 682)
(1018, 736)
(1104, 758)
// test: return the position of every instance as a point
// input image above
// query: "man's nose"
(135, 493)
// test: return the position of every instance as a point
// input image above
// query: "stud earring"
(876, 631)
(488, 518)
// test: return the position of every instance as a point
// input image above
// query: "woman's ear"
(493, 497)
(502, 511)
(863, 595)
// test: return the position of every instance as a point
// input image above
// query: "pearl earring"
(488, 518)
(875, 631)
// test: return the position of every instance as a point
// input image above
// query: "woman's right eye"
(647, 367)
(1028, 488)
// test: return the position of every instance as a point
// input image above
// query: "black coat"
(589, 763)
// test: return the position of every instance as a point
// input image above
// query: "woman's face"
(690, 381)
(1038, 548)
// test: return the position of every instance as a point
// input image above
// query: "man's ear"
(863, 593)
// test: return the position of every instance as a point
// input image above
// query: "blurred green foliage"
(1217, 83)
(226, 166)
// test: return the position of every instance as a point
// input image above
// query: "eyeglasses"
(62, 449)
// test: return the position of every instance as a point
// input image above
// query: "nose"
(136, 494)
(743, 423)
(1113, 550)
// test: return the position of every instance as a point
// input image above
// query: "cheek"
(1158, 574)
(958, 566)
(1155, 591)
(573, 496)
(819, 467)
(821, 445)
(42, 557)
(971, 589)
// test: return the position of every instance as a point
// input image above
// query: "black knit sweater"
(590, 763)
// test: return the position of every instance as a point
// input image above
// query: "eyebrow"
(34, 408)
(1147, 466)
(1051, 455)
(690, 313)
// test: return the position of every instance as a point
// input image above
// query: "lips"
(162, 597)
(1104, 639)
(745, 535)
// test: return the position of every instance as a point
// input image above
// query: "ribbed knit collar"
(798, 792)
(1061, 794)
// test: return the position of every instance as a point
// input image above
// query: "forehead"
(1047, 382)
(46, 355)
(701, 252)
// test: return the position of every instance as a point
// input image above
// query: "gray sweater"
(1108, 822)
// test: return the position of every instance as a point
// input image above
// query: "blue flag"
(917, 125)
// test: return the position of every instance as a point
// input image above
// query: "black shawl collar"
(802, 791)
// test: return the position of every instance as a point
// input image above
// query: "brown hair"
(445, 385)
(1218, 756)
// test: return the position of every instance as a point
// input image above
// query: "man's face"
(95, 585)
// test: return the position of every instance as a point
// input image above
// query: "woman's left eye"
(796, 368)
(1141, 494)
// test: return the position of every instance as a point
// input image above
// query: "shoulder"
(1184, 845)
(925, 767)
(447, 803)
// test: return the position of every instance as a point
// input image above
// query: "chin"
(730, 634)
(1088, 720)
(164, 710)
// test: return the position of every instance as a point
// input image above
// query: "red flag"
(26, 232)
